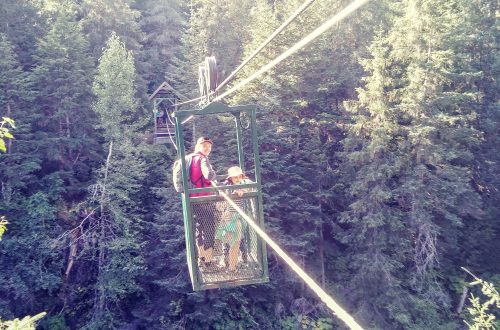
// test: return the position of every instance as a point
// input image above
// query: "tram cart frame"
(256, 270)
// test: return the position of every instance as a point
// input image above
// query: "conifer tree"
(300, 101)
(213, 29)
(22, 25)
(162, 24)
(47, 165)
(101, 18)
(117, 217)
(410, 150)
(61, 81)
(380, 199)
(11, 82)
(478, 43)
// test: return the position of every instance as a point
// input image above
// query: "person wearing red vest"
(201, 175)
(201, 172)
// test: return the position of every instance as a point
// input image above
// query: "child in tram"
(235, 230)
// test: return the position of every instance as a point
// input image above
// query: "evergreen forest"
(379, 147)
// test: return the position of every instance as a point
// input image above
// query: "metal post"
(255, 145)
(186, 203)
(155, 113)
(239, 138)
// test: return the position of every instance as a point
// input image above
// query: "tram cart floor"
(218, 273)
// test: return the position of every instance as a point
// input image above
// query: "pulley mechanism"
(207, 79)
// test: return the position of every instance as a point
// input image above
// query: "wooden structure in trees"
(164, 100)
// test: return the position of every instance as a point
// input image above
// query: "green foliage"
(482, 312)
(379, 152)
(114, 195)
(114, 89)
(4, 132)
(10, 82)
(102, 18)
(307, 323)
(3, 227)
(162, 23)
(54, 323)
(26, 323)
(411, 144)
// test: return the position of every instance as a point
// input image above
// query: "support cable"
(266, 42)
(313, 35)
(170, 119)
(330, 303)
(189, 101)
(302, 43)
(170, 135)
(297, 12)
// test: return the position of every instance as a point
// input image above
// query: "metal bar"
(216, 189)
(239, 137)
(214, 108)
(155, 112)
(232, 283)
(186, 204)
(255, 144)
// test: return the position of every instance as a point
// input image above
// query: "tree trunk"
(101, 296)
(194, 134)
(321, 237)
(68, 128)
(73, 248)
(321, 249)
(462, 300)
(9, 141)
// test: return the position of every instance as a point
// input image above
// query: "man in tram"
(201, 175)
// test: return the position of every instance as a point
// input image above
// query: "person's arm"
(242, 191)
(207, 170)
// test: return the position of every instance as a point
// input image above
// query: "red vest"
(196, 175)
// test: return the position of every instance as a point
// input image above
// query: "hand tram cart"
(252, 257)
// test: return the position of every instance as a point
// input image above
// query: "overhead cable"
(302, 43)
(267, 41)
(290, 19)
(330, 303)
(313, 35)
(190, 101)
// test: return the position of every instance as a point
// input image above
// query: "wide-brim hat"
(234, 171)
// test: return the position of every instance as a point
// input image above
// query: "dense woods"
(379, 147)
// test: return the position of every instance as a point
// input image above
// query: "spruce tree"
(11, 82)
(20, 22)
(61, 83)
(48, 164)
(300, 100)
(478, 43)
(162, 24)
(101, 18)
(409, 152)
(114, 199)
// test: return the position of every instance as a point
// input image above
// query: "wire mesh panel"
(228, 251)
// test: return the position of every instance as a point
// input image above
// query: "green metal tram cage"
(252, 265)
